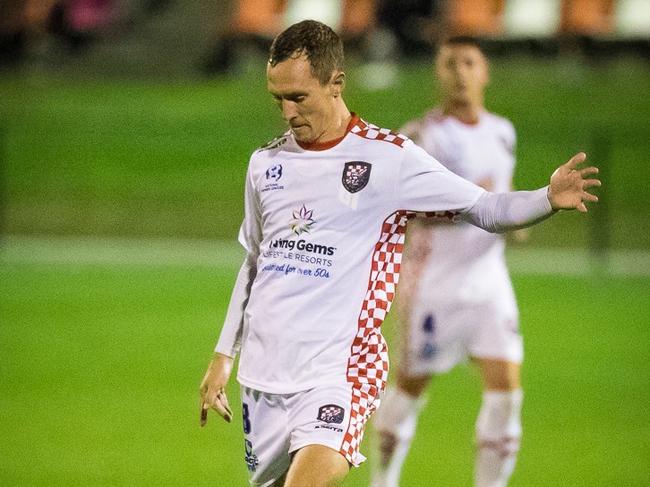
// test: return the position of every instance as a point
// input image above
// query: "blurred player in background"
(456, 299)
(324, 221)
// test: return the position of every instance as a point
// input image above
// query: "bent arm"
(501, 212)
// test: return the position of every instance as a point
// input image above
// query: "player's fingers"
(581, 207)
(211, 398)
(576, 160)
(590, 183)
(588, 171)
(589, 197)
(224, 401)
(224, 412)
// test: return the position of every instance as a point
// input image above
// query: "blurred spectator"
(75, 22)
(587, 17)
(19, 20)
(78, 22)
(254, 24)
(585, 24)
(478, 18)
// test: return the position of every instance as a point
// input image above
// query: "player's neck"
(467, 113)
(335, 132)
(339, 127)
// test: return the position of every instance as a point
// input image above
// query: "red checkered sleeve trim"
(372, 132)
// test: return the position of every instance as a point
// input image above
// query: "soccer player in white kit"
(325, 211)
(456, 298)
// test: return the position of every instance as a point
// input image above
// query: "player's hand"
(212, 390)
(568, 188)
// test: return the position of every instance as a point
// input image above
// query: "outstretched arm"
(509, 211)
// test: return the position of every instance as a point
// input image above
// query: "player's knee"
(317, 465)
(396, 418)
(499, 422)
(413, 386)
(500, 375)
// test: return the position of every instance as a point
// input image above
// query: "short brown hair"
(322, 46)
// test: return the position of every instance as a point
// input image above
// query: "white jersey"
(484, 154)
(325, 226)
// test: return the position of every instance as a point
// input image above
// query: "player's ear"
(337, 83)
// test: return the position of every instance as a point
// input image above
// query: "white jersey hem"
(294, 388)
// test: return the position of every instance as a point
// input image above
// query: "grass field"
(154, 159)
(103, 345)
(101, 361)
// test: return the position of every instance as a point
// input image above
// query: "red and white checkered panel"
(364, 402)
(368, 362)
(370, 131)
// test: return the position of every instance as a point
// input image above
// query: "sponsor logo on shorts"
(251, 459)
(331, 413)
(356, 175)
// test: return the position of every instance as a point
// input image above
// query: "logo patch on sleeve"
(331, 413)
(274, 173)
(356, 175)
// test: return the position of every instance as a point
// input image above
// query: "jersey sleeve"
(250, 232)
(423, 184)
(250, 236)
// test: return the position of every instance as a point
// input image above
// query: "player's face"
(306, 105)
(463, 73)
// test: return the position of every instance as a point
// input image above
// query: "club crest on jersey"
(331, 413)
(356, 175)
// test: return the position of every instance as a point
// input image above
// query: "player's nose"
(289, 110)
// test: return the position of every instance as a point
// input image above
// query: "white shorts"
(449, 324)
(278, 425)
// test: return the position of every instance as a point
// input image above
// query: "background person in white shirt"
(326, 207)
(456, 298)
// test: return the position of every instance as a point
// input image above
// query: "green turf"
(100, 368)
(168, 159)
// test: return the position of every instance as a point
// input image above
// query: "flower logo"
(302, 220)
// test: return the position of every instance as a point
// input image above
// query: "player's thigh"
(316, 466)
(413, 385)
(499, 375)
(436, 340)
(266, 437)
(495, 341)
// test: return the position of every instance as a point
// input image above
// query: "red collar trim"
(318, 146)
